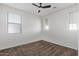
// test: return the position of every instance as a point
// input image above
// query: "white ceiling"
(33, 9)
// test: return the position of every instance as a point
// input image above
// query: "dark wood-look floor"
(39, 48)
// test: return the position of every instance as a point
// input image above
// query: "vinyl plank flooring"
(39, 48)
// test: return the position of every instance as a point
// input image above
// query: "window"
(73, 26)
(46, 27)
(46, 24)
(14, 23)
(73, 20)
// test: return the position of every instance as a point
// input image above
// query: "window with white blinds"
(74, 20)
(14, 23)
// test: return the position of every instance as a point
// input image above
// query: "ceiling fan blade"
(35, 5)
(48, 6)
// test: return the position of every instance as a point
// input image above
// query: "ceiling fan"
(41, 6)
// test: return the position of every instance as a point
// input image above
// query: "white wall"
(31, 28)
(59, 32)
(78, 31)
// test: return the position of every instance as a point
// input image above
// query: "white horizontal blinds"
(14, 18)
(13, 28)
(14, 23)
(73, 26)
